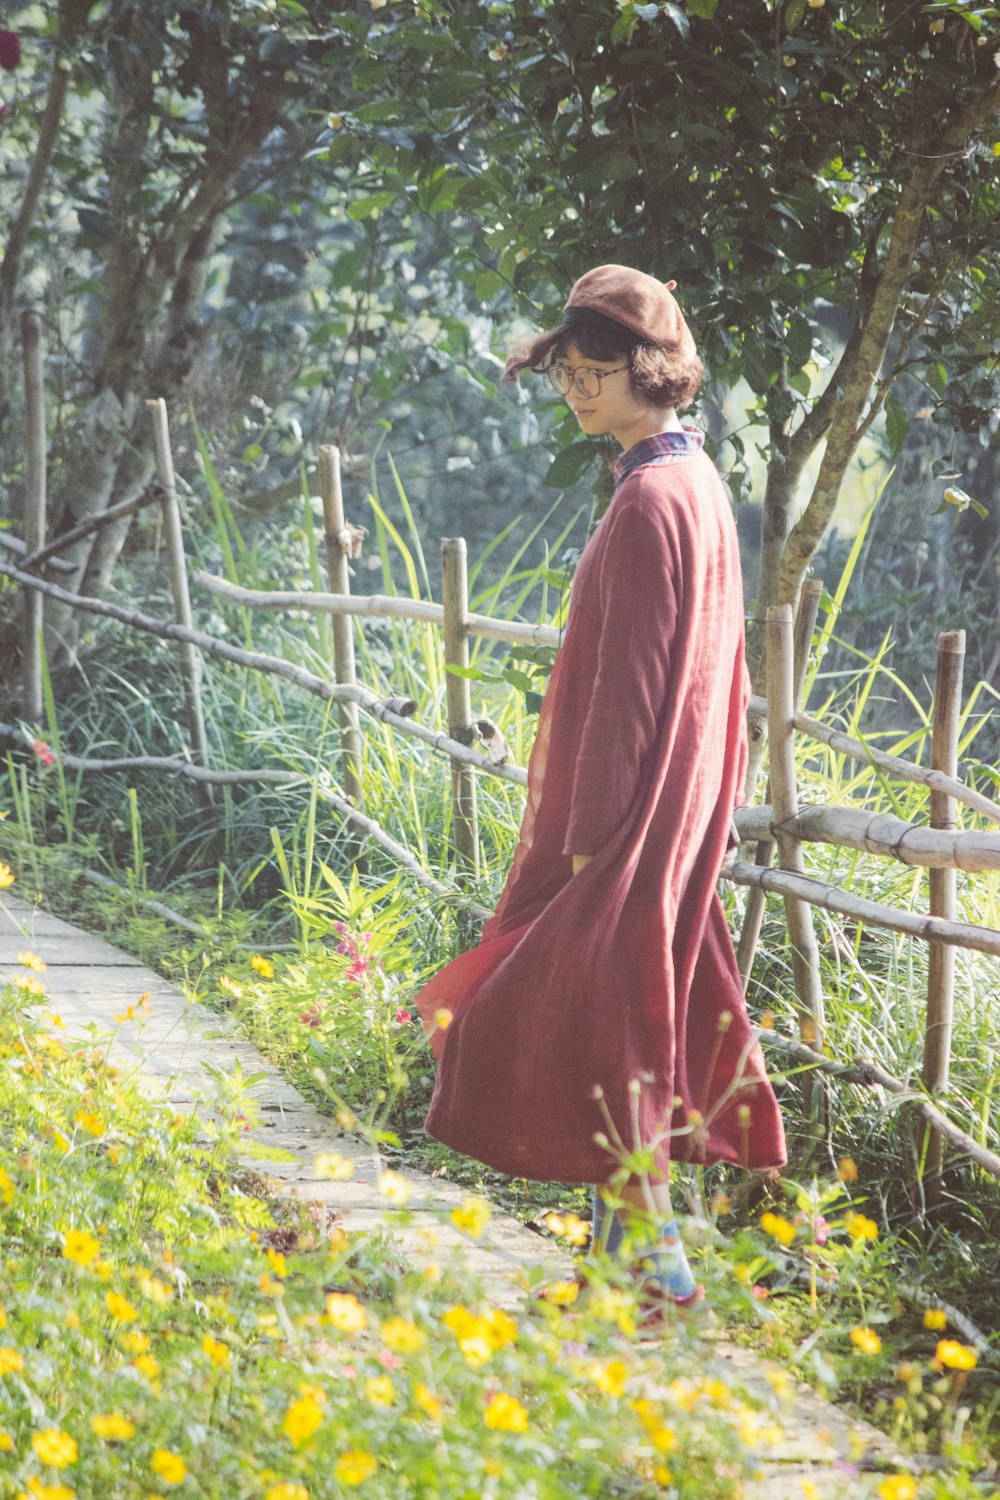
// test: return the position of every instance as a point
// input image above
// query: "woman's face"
(616, 408)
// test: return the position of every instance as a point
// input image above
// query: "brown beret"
(641, 303)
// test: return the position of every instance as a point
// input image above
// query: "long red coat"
(626, 971)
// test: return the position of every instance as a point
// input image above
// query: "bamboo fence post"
(805, 624)
(339, 575)
(943, 894)
(174, 536)
(455, 594)
(784, 796)
(34, 506)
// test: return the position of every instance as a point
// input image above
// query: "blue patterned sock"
(604, 1221)
(668, 1263)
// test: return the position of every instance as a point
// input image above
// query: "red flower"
(312, 1017)
(10, 50)
(43, 752)
(358, 967)
(403, 1017)
(760, 1292)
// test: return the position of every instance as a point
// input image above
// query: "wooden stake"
(174, 536)
(943, 894)
(781, 738)
(34, 506)
(805, 624)
(339, 575)
(465, 822)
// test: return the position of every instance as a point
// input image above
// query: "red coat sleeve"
(638, 598)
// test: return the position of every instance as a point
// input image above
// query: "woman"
(604, 999)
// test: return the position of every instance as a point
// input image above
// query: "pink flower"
(390, 1360)
(358, 967)
(760, 1292)
(403, 1017)
(345, 947)
(43, 752)
(312, 1017)
(821, 1228)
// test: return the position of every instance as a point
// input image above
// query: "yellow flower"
(217, 1352)
(847, 1169)
(6, 876)
(505, 1413)
(402, 1336)
(6, 1442)
(562, 1293)
(956, 1356)
(333, 1165)
(778, 1228)
(31, 961)
(230, 986)
(169, 1467)
(935, 1318)
(866, 1339)
(113, 1427)
(302, 1419)
(288, 1489)
(379, 1390)
(427, 1401)
(897, 1487)
(345, 1312)
(29, 984)
(147, 1365)
(270, 1287)
(472, 1216)
(89, 1122)
(40, 1491)
(443, 1019)
(264, 966)
(568, 1227)
(394, 1186)
(860, 1228)
(277, 1262)
(55, 1448)
(810, 1490)
(156, 1290)
(6, 1186)
(120, 1307)
(610, 1376)
(10, 1360)
(136, 1342)
(616, 1306)
(355, 1467)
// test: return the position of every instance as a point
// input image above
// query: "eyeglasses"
(564, 378)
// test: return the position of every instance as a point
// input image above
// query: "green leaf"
(488, 283)
(897, 424)
(794, 12)
(569, 466)
(252, 452)
(371, 205)
(702, 10)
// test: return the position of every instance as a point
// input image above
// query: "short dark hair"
(664, 378)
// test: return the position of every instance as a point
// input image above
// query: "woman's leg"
(668, 1263)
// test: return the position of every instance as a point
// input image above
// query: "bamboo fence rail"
(942, 848)
(385, 606)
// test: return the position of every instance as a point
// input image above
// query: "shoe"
(658, 1307)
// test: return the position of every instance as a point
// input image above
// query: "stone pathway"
(88, 982)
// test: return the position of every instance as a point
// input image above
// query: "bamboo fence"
(784, 824)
